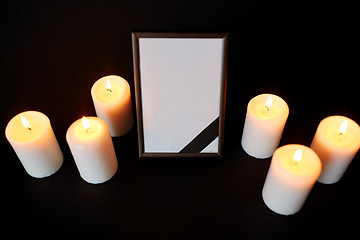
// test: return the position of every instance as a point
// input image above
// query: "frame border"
(137, 81)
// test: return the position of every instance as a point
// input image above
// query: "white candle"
(336, 141)
(293, 172)
(264, 124)
(112, 101)
(31, 136)
(92, 148)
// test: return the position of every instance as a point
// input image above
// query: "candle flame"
(108, 86)
(297, 156)
(268, 103)
(343, 127)
(25, 122)
(86, 124)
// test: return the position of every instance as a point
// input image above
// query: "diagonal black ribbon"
(203, 139)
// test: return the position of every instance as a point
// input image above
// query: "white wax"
(336, 151)
(93, 150)
(288, 183)
(36, 145)
(264, 125)
(113, 105)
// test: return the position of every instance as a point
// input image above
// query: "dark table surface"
(52, 53)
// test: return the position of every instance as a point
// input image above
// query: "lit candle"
(112, 101)
(91, 145)
(31, 136)
(264, 124)
(293, 172)
(336, 141)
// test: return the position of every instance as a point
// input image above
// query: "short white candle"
(112, 101)
(293, 172)
(264, 124)
(31, 136)
(91, 145)
(336, 141)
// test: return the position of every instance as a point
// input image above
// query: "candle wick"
(267, 108)
(87, 130)
(296, 164)
(29, 128)
(109, 90)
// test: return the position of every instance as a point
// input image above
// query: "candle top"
(82, 134)
(268, 106)
(295, 162)
(27, 126)
(110, 89)
(340, 132)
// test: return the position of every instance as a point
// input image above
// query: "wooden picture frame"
(180, 92)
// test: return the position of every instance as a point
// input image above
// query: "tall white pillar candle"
(92, 148)
(112, 101)
(33, 140)
(336, 141)
(293, 172)
(264, 124)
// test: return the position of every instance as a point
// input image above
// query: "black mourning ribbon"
(203, 139)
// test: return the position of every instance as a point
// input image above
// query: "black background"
(51, 54)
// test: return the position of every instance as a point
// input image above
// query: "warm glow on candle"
(108, 86)
(343, 127)
(268, 103)
(86, 124)
(92, 149)
(297, 156)
(266, 116)
(35, 145)
(112, 101)
(25, 122)
(293, 172)
(336, 142)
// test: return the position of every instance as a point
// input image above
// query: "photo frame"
(180, 93)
